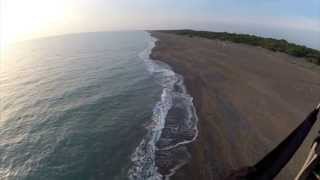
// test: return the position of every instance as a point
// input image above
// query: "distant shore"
(276, 45)
(247, 99)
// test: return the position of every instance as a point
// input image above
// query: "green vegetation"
(282, 45)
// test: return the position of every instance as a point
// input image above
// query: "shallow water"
(173, 125)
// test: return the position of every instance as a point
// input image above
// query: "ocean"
(92, 106)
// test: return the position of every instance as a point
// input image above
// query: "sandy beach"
(248, 99)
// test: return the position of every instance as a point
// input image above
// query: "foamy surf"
(173, 124)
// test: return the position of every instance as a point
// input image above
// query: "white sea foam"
(144, 158)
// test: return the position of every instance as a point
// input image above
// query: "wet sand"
(247, 99)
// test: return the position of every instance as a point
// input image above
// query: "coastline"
(245, 100)
(173, 124)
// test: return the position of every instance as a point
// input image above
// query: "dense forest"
(272, 44)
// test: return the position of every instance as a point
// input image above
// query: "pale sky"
(295, 20)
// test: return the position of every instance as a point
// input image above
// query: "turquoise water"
(92, 106)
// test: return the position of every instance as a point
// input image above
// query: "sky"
(295, 20)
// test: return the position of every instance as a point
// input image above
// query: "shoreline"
(162, 151)
(242, 101)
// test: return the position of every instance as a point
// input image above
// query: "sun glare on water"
(21, 19)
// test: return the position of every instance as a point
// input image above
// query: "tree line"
(277, 45)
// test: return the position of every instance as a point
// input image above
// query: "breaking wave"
(173, 125)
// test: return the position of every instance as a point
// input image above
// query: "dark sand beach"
(247, 99)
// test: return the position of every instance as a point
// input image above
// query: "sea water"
(92, 106)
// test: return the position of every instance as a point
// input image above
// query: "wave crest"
(174, 124)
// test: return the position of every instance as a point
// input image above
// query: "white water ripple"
(144, 158)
